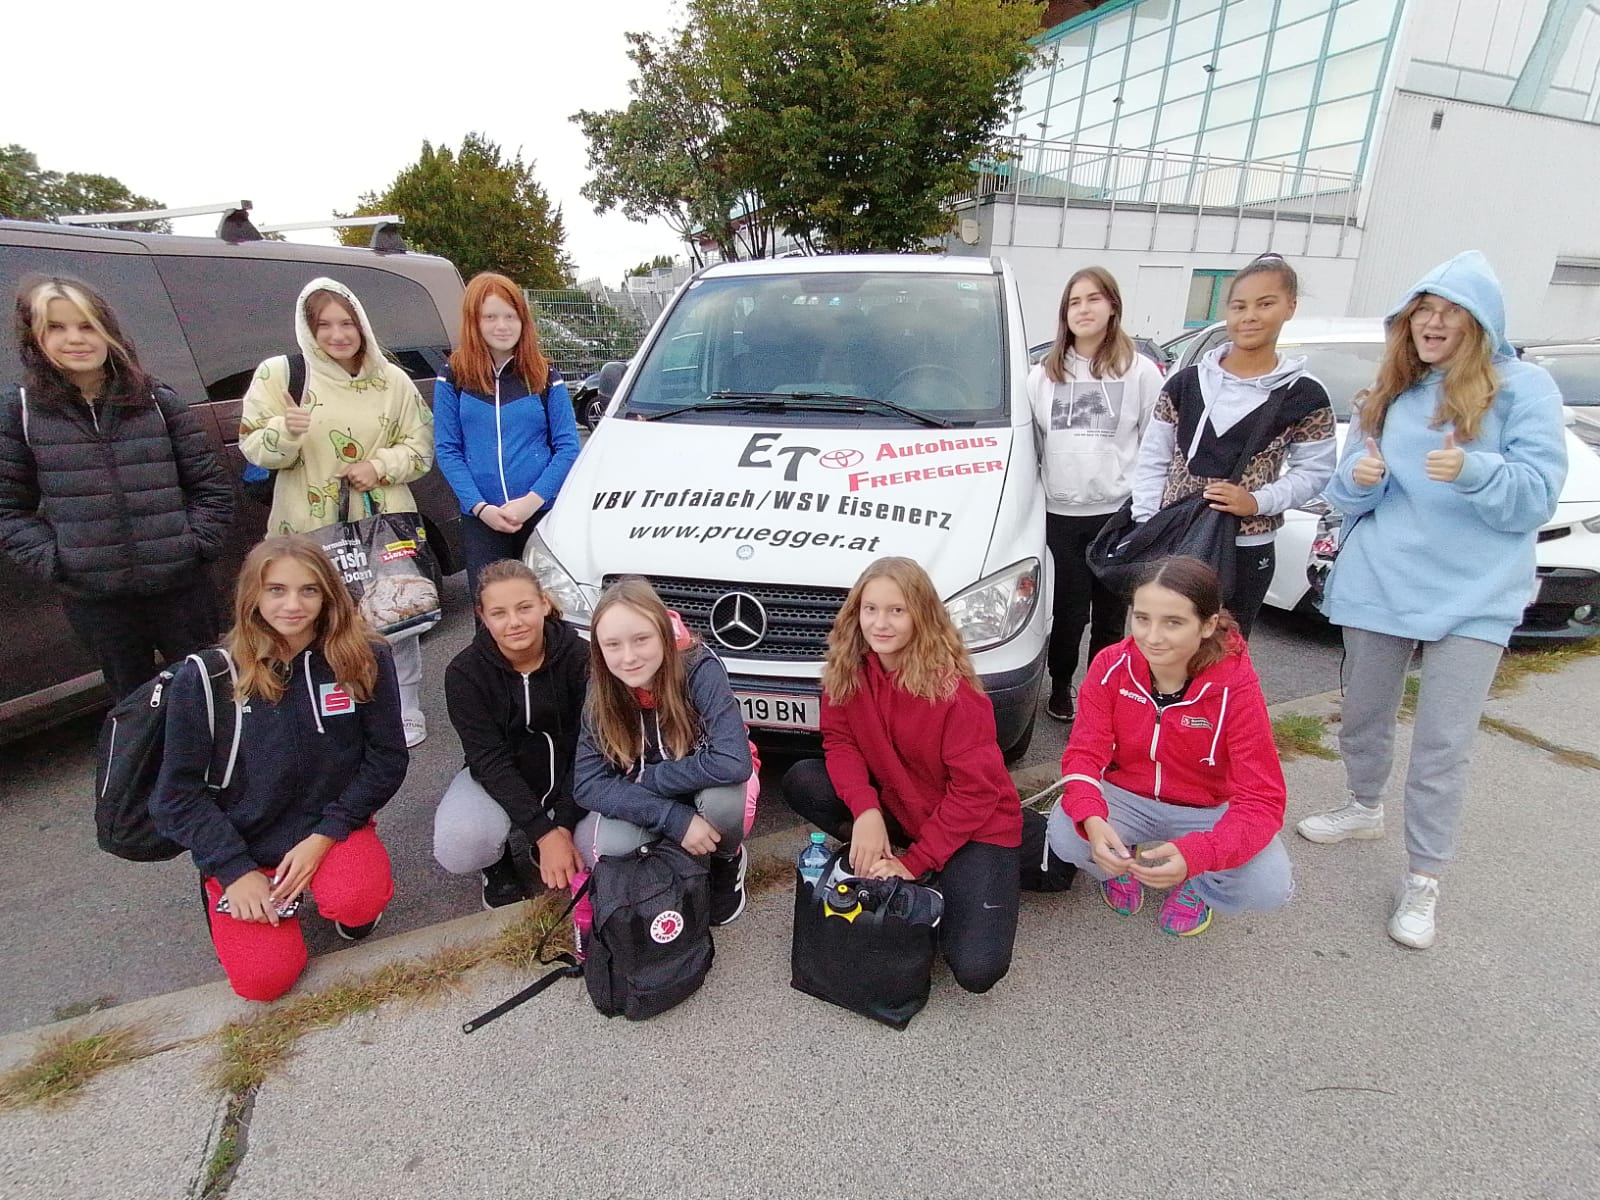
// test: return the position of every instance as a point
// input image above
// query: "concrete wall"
(1152, 256)
(1519, 186)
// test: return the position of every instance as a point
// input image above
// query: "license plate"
(779, 712)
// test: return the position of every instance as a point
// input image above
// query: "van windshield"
(930, 344)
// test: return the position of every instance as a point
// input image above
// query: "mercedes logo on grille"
(738, 621)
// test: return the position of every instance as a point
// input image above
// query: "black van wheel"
(1020, 747)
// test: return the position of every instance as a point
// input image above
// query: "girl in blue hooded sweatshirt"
(1455, 457)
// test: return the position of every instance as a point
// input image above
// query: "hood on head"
(1467, 280)
(373, 361)
(1288, 370)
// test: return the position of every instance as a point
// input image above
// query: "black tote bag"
(1124, 550)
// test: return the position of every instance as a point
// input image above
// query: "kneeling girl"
(515, 697)
(910, 758)
(663, 750)
(321, 749)
(1172, 756)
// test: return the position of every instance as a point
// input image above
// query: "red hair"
(471, 362)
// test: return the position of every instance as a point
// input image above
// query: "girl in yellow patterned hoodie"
(360, 419)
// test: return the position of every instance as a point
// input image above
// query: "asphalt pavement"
(1298, 1054)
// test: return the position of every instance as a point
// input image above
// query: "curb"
(182, 1016)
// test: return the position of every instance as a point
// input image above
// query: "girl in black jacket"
(109, 489)
(515, 697)
(321, 749)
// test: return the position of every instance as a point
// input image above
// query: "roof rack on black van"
(235, 225)
(386, 237)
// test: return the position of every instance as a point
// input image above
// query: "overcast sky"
(301, 106)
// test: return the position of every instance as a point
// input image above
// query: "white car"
(1344, 354)
(1576, 369)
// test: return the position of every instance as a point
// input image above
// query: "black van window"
(239, 311)
(130, 285)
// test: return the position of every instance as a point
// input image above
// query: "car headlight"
(992, 610)
(1592, 524)
(576, 601)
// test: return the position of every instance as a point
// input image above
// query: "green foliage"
(644, 268)
(480, 210)
(29, 193)
(846, 123)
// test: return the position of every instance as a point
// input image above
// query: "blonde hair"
(1470, 378)
(934, 660)
(614, 711)
(343, 633)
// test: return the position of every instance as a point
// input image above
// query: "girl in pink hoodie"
(1172, 777)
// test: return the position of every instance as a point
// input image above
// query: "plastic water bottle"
(814, 859)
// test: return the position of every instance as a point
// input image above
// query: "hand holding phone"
(285, 909)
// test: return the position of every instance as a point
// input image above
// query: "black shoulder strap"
(297, 377)
(1261, 431)
(570, 967)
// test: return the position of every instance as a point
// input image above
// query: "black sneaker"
(501, 883)
(727, 886)
(354, 933)
(1059, 705)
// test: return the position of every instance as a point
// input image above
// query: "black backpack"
(132, 741)
(651, 946)
(258, 482)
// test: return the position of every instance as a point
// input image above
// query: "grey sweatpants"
(1263, 884)
(1456, 674)
(469, 827)
(722, 806)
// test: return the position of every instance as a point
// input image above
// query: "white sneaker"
(1354, 820)
(1412, 923)
(416, 727)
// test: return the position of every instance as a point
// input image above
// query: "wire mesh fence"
(580, 332)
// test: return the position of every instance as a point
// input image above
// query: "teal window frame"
(1219, 279)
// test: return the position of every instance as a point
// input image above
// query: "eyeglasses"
(1450, 314)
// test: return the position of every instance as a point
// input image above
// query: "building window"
(1208, 297)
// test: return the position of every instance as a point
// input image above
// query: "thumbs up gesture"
(1370, 469)
(1445, 464)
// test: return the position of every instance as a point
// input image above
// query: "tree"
(846, 123)
(665, 154)
(644, 268)
(29, 193)
(481, 211)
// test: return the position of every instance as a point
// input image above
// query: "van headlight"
(576, 601)
(992, 610)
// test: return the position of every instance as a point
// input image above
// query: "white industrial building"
(1366, 140)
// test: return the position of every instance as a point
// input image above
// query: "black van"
(203, 313)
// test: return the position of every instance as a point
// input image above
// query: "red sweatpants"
(352, 886)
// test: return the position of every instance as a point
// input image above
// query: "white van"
(788, 421)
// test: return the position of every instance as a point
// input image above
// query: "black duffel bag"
(865, 944)
(1124, 550)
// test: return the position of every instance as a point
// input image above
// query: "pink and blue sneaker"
(1183, 913)
(1124, 894)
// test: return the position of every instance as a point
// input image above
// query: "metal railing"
(1076, 173)
(579, 332)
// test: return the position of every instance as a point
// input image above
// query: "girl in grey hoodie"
(1211, 413)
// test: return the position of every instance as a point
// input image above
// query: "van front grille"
(796, 619)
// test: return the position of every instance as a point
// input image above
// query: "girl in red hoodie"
(1172, 757)
(911, 760)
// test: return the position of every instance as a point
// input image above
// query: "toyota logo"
(738, 621)
(838, 460)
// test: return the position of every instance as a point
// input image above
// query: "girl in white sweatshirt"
(1092, 397)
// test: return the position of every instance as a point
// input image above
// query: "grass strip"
(66, 1063)
(1562, 754)
(1297, 734)
(1518, 666)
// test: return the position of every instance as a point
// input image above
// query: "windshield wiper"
(804, 402)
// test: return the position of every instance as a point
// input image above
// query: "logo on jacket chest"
(1195, 723)
(1132, 695)
(333, 700)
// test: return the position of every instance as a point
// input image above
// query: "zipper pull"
(155, 695)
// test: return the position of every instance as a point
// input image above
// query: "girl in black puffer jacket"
(515, 697)
(109, 489)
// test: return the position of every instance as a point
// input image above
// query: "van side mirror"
(610, 375)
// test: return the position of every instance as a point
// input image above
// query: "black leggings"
(1079, 597)
(1252, 576)
(980, 882)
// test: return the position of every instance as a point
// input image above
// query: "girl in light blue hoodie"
(1454, 458)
